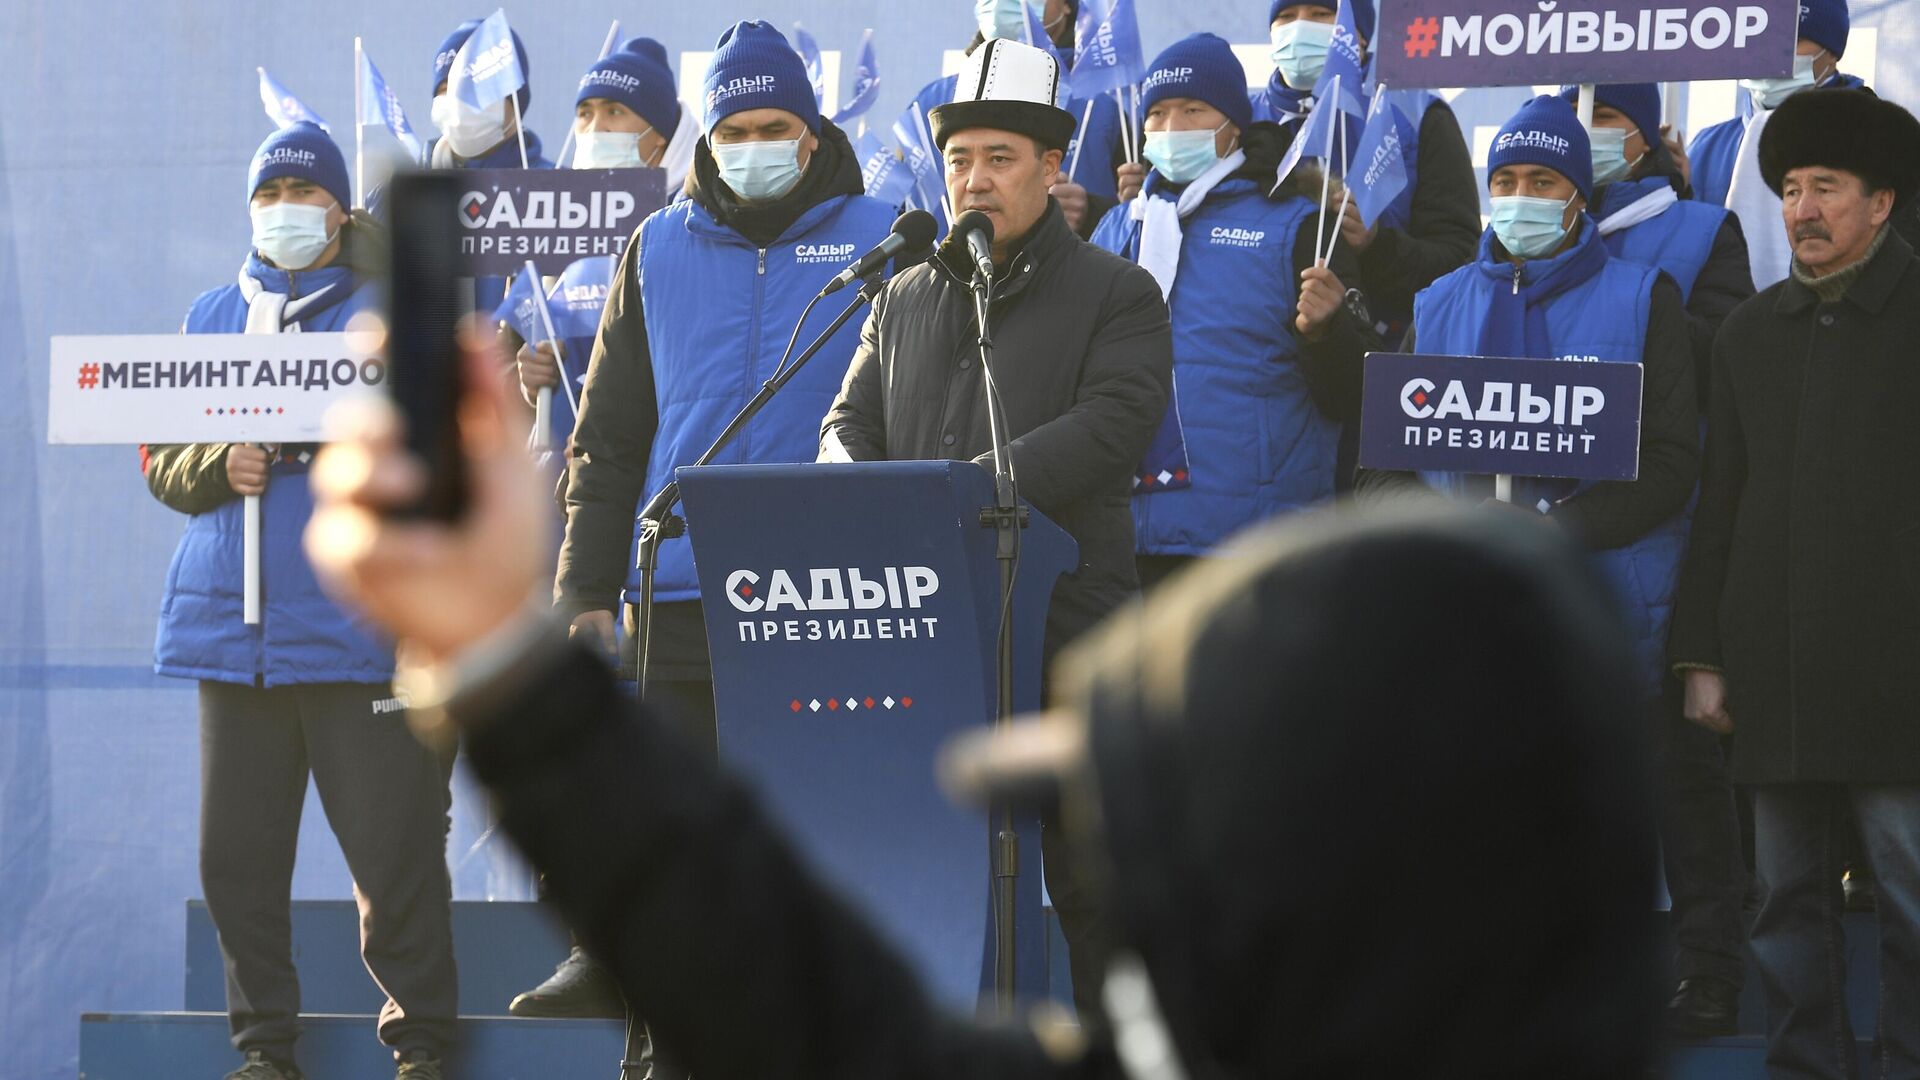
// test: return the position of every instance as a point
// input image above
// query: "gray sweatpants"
(386, 798)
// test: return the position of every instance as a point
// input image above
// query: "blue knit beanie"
(1362, 13)
(301, 150)
(1826, 24)
(443, 58)
(1546, 132)
(1638, 102)
(755, 68)
(638, 77)
(1200, 66)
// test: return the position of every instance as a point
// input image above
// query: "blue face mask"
(1183, 156)
(759, 171)
(1300, 52)
(1001, 18)
(1769, 93)
(1609, 151)
(1527, 227)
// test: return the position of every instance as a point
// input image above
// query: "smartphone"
(428, 293)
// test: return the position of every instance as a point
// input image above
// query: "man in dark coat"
(1798, 619)
(1083, 364)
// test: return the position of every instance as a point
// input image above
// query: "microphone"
(977, 229)
(912, 231)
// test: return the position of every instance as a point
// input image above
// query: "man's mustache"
(1811, 231)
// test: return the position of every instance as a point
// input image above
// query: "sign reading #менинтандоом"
(552, 216)
(1491, 416)
(1432, 43)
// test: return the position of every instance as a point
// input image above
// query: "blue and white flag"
(1309, 141)
(1108, 55)
(580, 295)
(1344, 65)
(1379, 172)
(921, 159)
(486, 69)
(866, 84)
(283, 108)
(379, 105)
(884, 173)
(520, 308)
(809, 50)
(1036, 34)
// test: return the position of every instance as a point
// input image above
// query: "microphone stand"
(1006, 517)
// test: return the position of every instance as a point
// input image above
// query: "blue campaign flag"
(1036, 34)
(1108, 56)
(921, 159)
(579, 296)
(520, 308)
(1379, 174)
(866, 83)
(486, 69)
(379, 105)
(1309, 141)
(885, 174)
(283, 108)
(1344, 66)
(809, 51)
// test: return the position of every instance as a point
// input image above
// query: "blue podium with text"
(853, 612)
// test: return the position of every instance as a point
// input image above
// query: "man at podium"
(1083, 363)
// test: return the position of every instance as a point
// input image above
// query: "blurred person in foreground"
(1206, 750)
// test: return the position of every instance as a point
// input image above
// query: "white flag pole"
(359, 129)
(519, 126)
(1326, 172)
(250, 553)
(1503, 487)
(606, 50)
(1586, 106)
(1346, 189)
(1086, 114)
(543, 399)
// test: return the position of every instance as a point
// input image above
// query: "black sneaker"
(261, 1067)
(1702, 1008)
(418, 1065)
(578, 989)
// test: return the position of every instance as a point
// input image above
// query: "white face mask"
(607, 149)
(470, 132)
(1300, 51)
(1609, 148)
(1769, 93)
(1001, 18)
(289, 235)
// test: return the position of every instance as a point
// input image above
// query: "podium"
(852, 612)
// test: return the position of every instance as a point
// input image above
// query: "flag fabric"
(283, 108)
(1108, 57)
(1344, 66)
(885, 174)
(1379, 172)
(520, 308)
(579, 296)
(1036, 33)
(1309, 141)
(809, 50)
(486, 69)
(921, 159)
(379, 105)
(866, 83)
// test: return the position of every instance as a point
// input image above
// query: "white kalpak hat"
(1008, 85)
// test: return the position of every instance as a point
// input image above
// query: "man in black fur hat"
(1798, 619)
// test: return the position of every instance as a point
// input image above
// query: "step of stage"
(195, 1046)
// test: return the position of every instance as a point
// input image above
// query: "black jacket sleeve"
(612, 440)
(858, 416)
(1618, 512)
(743, 963)
(1374, 487)
(1695, 640)
(1443, 228)
(1724, 282)
(1332, 364)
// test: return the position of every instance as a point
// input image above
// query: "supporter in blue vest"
(1642, 218)
(703, 303)
(1639, 206)
(1544, 286)
(308, 689)
(1086, 187)
(1430, 227)
(626, 115)
(1256, 411)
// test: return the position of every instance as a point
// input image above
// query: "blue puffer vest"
(1678, 241)
(1256, 443)
(720, 313)
(302, 636)
(1604, 317)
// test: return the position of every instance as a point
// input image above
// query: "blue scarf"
(1289, 106)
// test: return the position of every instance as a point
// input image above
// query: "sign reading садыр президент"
(1490, 416)
(552, 216)
(1433, 43)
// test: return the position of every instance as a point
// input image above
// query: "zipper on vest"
(1516, 278)
(763, 263)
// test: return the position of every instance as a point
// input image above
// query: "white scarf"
(272, 312)
(1769, 254)
(1645, 208)
(1160, 233)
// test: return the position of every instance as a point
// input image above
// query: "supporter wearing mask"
(700, 309)
(1641, 218)
(1085, 188)
(486, 138)
(1237, 269)
(1545, 286)
(626, 115)
(307, 690)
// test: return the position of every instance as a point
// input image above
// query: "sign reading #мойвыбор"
(1433, 43)
(1489, 416)
(552, 216)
